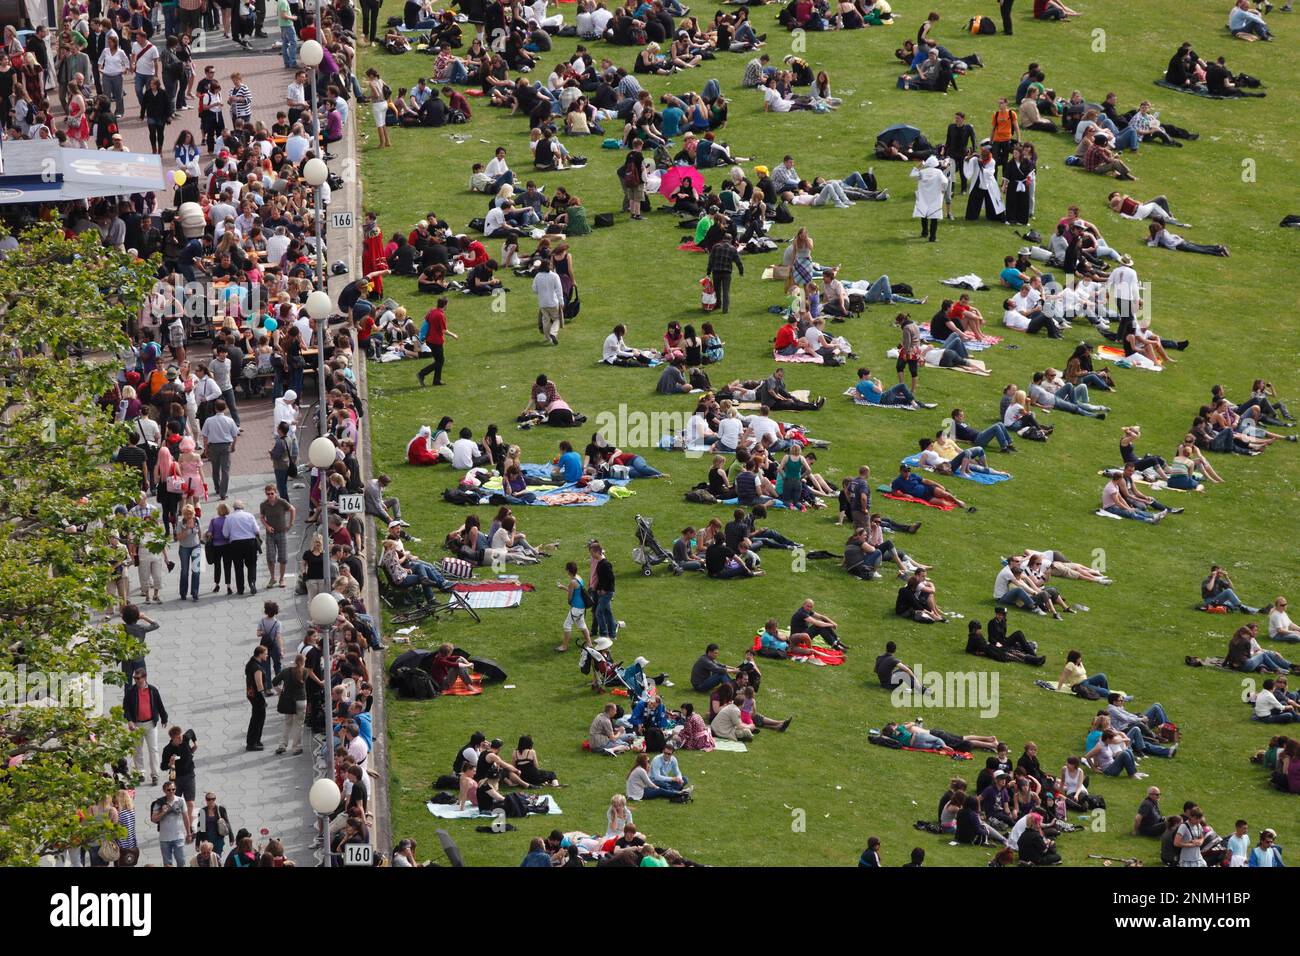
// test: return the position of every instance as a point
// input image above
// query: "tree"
(61, 299)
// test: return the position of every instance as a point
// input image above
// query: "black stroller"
(650, 552)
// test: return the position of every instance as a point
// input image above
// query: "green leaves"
(64, 307)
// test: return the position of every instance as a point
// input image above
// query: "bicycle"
(437, 610)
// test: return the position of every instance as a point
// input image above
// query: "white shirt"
(303, 325)
(496, 168)
(295, 94)
(600, 19)
(931, 459)
(548, 289)
(146, 58)
(1266, 703)
(1279, 620)
(696, 430)
(295, 148)
(613, 348)
(1013, 319)
(1003, 582)
(494, 220)
(775, 101)
(1027, 298)
(760, 425)
(729, 430)
(1014, 411)
(463, 451)
(113, 64)
(276, 246)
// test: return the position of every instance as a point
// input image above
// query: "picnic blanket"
(897, 496)
(731, 746)
(818, 654)
(569, 496)
(914, 461)
(460, 689)
(1106, 514)
(971, 346)
(691, 247)
(1112, 353)
(1221, 663)
(797, 357)
(854, 394)
(970, 281)
(448, 811)
(486, 595)
(773, 503)
(1206, 94)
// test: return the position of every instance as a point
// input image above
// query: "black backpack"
(516, 805)
(411, 683)
(1086, 691)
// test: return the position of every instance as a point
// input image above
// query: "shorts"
(185, 787)
(576, 615)
(277, 547)
(903, 363)
(380, 113)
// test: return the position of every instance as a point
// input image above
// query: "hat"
(761, 170)
(171, 374)
(602, 643)
(394, 524)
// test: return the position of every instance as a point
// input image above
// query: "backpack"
(782, 214)
(982, 26)
(516, 805)
(700, 380)
(411, 683)
(603, 220)
(880, 740)
(700, 496)
(1086, 691)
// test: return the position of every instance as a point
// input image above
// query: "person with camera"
(171, 815)
(178, 761)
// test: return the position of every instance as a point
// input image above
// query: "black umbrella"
(905, 135)
(413, 658)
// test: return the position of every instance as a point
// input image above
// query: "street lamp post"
(324, 612)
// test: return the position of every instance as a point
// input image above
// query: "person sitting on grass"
(603, 737)
(1033, 847)
(1280, 625)
(1111, 755)
(1245, 654)
(916, 600)
(926, 489)
(871, 390)
(1269, 708)
(1015, 649)
(1115, 500)
(1216, 591)
(728, 724)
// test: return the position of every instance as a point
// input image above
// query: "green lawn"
(1139, 629)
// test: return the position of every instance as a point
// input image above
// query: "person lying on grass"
(942, 456)
(911, 734)
(926, 489)
(1063, 566)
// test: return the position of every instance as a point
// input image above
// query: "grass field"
(1234, 185)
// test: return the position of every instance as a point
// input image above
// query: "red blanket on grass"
(941, 505)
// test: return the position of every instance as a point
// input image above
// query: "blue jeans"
(772, 538)
(1093, 380)
(672, 786)
(898, 394)
(1271, 659)
(1284, 717)
(881, 291)
(282, 482)
(429, 572)
(459, 75)
(1129, 513)
(604, 624)
(1228, 598)
(640, 469)
(657, 793)
(189, 578)
(1099, 682)
(1123, 762)
(1019, 597)
(712, 681)
(289, 45)
(1142, 746)
(173, 850)
(955, 343)
(996, 430)
(854, 180)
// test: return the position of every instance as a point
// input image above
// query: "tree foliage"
(64, 306)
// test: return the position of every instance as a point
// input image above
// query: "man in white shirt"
(276, 246)
(761, 426)
(1270, 710)
(550, 302)
(146, 62)
(498, 170)
(784, 177)
(220, 434)
(774, 102)
(304, 326)
(296, 145)
(465, 452)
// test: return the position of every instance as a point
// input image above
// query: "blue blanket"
(773, 503)
(914, 461)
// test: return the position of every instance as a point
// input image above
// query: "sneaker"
(1084, 607)
(279, 750)
(1140, 776)
(1040, 612)
(1173, 749)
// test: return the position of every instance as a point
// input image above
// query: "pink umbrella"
(673, 176)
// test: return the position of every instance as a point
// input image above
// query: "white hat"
(602, 643)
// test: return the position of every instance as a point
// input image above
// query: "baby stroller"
(650, 552)
(596, 661)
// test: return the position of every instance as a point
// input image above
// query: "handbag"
(130, 856)
(109, 852)
(574, 305)
(174, 483)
